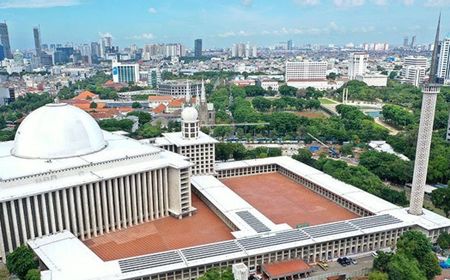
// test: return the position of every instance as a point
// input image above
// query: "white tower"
(188, 93)
(189, 123)
(429, 98)
(430, 92)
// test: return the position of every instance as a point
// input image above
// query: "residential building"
(357, 65)
(154, 78)
(414, 68)
(306, 71)
(443, 65)
(376, 80)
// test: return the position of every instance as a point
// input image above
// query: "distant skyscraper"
(243, 50)
(357, 65)
(4, 40)
(289, 45)
(37, 40)
(198, 48)
(2, 52)
(413, 41)
(405, 42)
(430, 92)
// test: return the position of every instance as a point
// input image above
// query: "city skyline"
(222, 23)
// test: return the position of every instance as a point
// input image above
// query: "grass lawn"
(4, 275)
(327, 101)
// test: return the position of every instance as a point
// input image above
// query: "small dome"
(57, 131)
(189, 114)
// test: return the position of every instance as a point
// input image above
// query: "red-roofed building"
(86, 95)
(160, 109)
(157, 100)
(113, 85)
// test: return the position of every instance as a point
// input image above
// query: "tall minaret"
(188, 93)
(434, 57)
(430, 92)
(203, 95)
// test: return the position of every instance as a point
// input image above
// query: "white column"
(123, 208)
(160, 193)
(7, 227)
(45, 214)
(15, 225)
(37, 210)
(105, 201)
(100, 205)
(2, 245)
(423, 149)
(85, 203)
(140, 198)
(133, 199)
(58, 210)
(155, 194)
(144, 184)
(30, 218)
(52, 213)
(150, 194)
(80, 213)
(118, 224)
(128, 201)
(166, 192)
(73, 211)
(23, 222)
(66, 214)
(93, 208)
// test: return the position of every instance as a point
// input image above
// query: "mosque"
(64, 182)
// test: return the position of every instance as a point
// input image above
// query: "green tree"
(381, 262)
(377, 275)
(217, 274)
(444, 240)
(2, 122)
(261, 104)
(416, 245)
(440, 198)
(149, 131)
(33, 274)
(20, 261)
(255, 91)
(286, 90)
(93, 105)
(144, 117)
(304, 155)
(115, 125)
(136, 105)
(347, 149)
(403, 268)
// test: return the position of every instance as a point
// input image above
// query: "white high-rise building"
(125, 73)
(243, 50)
(357, 65)
(306, 70)
(414, 68)
(443, 66)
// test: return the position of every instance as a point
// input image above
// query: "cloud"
(437, 3)
(307, 2)
(247, 3)
(240, 33)
(152, 10)
(32, 4)
(348, 3)
(143, 36)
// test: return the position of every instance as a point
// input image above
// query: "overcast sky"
(220, 23)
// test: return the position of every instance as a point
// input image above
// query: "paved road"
(336, 269)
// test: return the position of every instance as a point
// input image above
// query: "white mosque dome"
(57, 131)
(189, 114)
